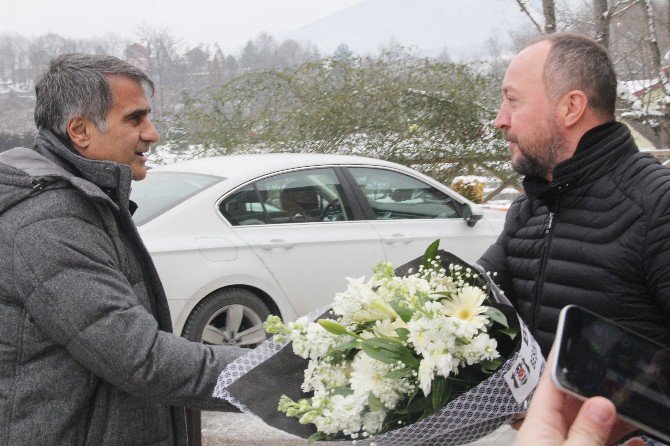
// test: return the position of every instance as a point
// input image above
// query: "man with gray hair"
(594, 225)
(87, 356)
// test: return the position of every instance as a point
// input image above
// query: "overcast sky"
(229, 22)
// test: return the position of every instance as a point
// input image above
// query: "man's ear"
(79, 132)
(572, 107)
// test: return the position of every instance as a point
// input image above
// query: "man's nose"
(149, 132)
(502, 118)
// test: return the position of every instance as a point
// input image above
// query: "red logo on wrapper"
(520, 375)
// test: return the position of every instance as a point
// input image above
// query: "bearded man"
(593, 227)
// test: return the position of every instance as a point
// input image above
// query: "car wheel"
(228, 317)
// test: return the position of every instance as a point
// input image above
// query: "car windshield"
(161, 191)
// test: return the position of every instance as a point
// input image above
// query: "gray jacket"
(87, 356)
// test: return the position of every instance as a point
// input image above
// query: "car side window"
(394, 195)
(304, 196)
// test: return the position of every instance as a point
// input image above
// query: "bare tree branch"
(624, 6)
(532, 15)
(549, 10)
(602, 22)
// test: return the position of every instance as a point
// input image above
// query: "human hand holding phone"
(595, 356)
(556, 418)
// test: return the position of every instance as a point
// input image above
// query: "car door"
(409, 214)
(301, 225)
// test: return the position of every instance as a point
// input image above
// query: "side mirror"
(470, 218)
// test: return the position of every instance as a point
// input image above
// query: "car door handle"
(397, 239)
(277, 244)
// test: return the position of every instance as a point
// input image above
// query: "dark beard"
(529, 166)
(541, 162)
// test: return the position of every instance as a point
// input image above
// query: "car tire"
(231, 316)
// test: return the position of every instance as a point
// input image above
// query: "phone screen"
(599, 358)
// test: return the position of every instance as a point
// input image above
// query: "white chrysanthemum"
(460, 328)
(342, 413)
(426, 374)
(369, 376)
(313, 341)
(360, 303)
(467, 306)
(416, 285)
(444, 285)
(420, 333)
(373, 421)
(440, 363)
(387, 327)
(321, 376)
(482, 348)
(428, 334)
(445, 364)
(434, 309)
(406, 289)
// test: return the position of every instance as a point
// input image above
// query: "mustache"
(509, 138)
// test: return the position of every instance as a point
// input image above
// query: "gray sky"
(229, 22)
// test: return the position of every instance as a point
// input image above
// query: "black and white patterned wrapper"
(255, 382)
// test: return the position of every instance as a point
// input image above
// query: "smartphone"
(597, 357)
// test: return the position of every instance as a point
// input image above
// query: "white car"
(237, 238)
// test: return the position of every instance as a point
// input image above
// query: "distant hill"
(460, 26)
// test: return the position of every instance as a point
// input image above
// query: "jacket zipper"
(543, 265)
(39, 184)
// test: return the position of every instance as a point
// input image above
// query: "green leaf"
(341, 390)
(413, 395)
(400, 373)
(404, 312)
(335, 328)
(346, 346)
(437, 392)
(375, 403)
(511, 332)
(379, 354)
(393, 339)
(497, 316)
(414, 406)
(431, 253)
(463, 341)
(389, 352)
(403, 334)
(316, 436)
(448, 294)
(492, 365)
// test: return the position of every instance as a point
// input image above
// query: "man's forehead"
(126, 91)
(527, 66)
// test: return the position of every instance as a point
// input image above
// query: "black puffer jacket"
(597, 236)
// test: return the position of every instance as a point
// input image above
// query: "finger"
(545, 421)
(593, 423)
(620, 430)
(636, 441)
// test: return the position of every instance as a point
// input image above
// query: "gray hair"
(78, 85)
(578, 63)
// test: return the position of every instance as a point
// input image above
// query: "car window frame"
(165, 209)
(349, 193)
(368, 211)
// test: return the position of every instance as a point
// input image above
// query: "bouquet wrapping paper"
(255, 382)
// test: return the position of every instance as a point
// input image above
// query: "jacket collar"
(54, 158)
(104, 174)
(597, 151)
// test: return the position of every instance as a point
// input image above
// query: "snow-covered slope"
(460, 26)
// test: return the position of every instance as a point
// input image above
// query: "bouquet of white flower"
(427, 354)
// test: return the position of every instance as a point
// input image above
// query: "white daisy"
(467, 306)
